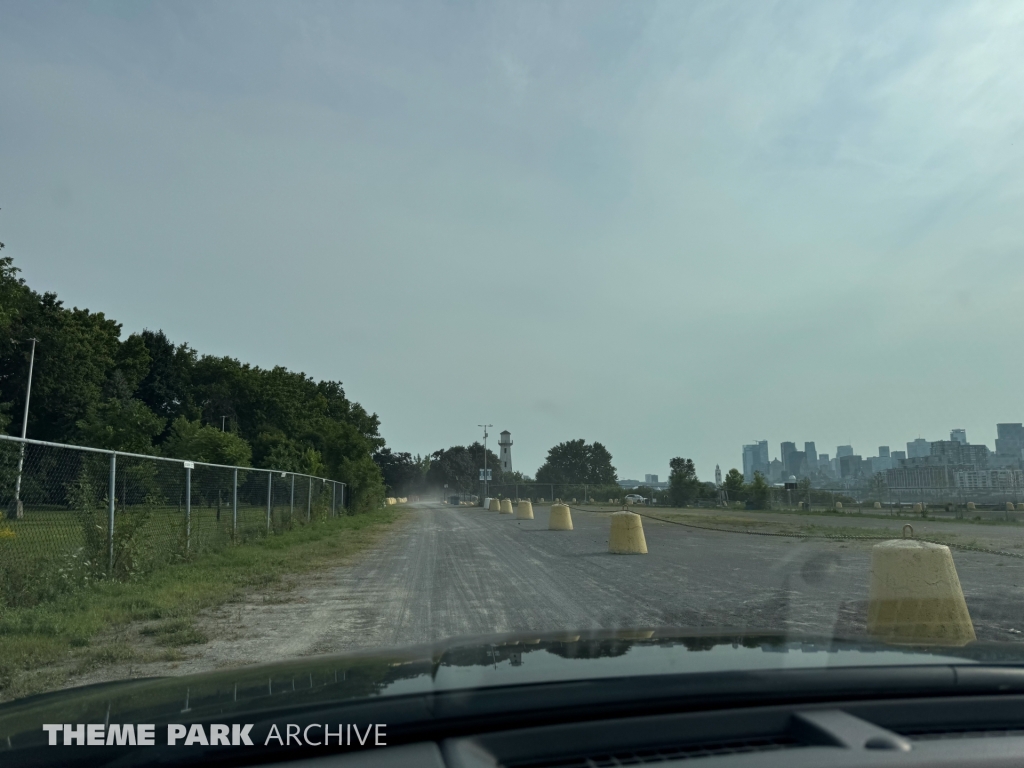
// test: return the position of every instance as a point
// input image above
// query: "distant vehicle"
(635, 498)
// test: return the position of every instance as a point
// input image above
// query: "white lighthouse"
(506, 451)
(718, 476)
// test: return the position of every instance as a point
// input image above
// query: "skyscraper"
(958, 436)
(844, 450)
(919, 448)
(784, 452)
(883, 452)
(812, 455)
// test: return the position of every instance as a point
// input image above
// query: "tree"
(459, 467)
(120, 424)
(734, 485)
(683, 485)
(577, 462)
(191, 440)
(403, 473)
(760, 493)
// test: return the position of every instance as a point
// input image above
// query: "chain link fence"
(76, 515)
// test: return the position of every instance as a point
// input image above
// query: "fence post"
(270, 495)
(334, 499)
(111, 497)
(291, 509)
(342, 495)
(188, 506)
(234, 503)
(309, 499)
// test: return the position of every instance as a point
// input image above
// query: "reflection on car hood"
(464, 664)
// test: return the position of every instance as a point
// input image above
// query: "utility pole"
(485, 426)
(17, 510)
(222, 419)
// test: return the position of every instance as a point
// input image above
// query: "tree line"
(147, 394)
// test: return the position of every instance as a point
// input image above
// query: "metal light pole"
(485, 426)
(17, 510)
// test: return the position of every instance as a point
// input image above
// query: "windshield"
(552, 340)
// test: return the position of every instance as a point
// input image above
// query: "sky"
(670, 227)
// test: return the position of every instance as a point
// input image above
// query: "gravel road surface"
(448, 572)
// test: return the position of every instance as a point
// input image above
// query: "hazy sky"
(674, 228)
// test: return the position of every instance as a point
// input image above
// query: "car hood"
(466, 664)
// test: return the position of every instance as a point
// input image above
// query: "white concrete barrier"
(626, 536)
(915, 595)
(971, 505)
(494, 505)
(524, 511)
(878, 505)
(918, 508)
(1010, 507)
(560, 518)
(506, 507)
(839, 505)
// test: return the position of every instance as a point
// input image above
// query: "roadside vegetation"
(43, 645)
(146, 394)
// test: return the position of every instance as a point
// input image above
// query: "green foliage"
(459, 467)
(734, 485)
(120, 425)
(759, 492)
(576, 461)
(684, 487)
(145, 394)
(191, 440)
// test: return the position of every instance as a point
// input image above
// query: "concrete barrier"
(918, 508)
(915, 595)
(574, 501)
(839, 505)
(878, 505)
(505, 507)
(971, 506)
(1010, 507)
(626, 536)
(494, 505)
(611, 501)
(524, 511)
(541, 500)
(487, 503)
(799, 505)
(560, 518)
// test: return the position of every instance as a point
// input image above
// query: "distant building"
(811, 455)
(988, 479)
(650, 480)
(955, 452)
(1010, 440)
(505, 443)
(918, 477)
(775, 471)
(784, 452)
(879, 464)
(919, 449)
(718, 475)
(844, 450)
(850, 466)
(883, 452)
(897, 456)
(958, 436)
(755, 459)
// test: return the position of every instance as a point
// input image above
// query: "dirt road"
(450, 572)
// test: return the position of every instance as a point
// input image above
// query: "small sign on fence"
(189, 464)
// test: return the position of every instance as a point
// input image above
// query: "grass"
(43, 645)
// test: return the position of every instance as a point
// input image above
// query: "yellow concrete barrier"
(524, 511)
(626, 536)
(611, 501)
(918, 508)
(506, 507)
(560, 518)
(494, 505)
(878, 505)
(1010, 507)
(971, 506)
(541, 499)
(915, 595)
(839, 505)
